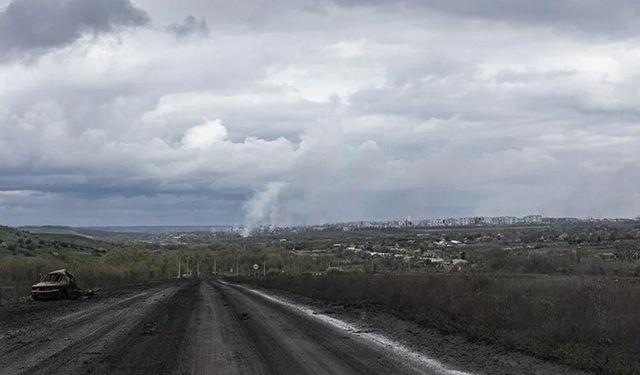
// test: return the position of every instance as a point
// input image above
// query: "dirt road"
(206, 327)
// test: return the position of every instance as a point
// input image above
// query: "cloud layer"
(33, 27)
(305, 112)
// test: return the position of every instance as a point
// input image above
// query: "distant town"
(472, 221)
(183, 235)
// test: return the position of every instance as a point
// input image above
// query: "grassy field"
(20, 242)
(588, 323)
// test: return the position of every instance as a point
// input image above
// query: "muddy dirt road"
(206, 327)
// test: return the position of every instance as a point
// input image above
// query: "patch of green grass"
(23, 243)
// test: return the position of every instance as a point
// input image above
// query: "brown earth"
(210, 327)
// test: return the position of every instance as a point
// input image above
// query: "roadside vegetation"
(25, 257)
(589, 323)
(565, 292)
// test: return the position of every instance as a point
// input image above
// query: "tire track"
(295, 343)
(155, 344)
(218, 341)
(206, 327)
(66, 342)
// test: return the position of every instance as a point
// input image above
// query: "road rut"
(199, 327)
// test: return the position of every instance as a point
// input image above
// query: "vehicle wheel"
(64, 294)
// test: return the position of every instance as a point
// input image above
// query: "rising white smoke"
(263, 207)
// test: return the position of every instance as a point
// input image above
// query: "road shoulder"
(455, 349)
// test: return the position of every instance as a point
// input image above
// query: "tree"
(626, 251)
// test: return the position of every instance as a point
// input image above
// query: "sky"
(288, 112)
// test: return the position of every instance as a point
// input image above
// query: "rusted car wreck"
(58, 284)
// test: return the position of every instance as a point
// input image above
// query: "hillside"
(22, 242)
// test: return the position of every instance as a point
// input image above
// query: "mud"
(210, 327)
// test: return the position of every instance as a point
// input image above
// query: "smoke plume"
(263, 207)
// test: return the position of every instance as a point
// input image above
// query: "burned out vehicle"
(58, 284)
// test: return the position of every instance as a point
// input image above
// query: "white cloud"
(204, 136)
(353, 111)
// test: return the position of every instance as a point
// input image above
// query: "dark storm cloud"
(92, 187)
(606, 18)
(190, 26)
(303, 112)
(589, 16)
(32, 26)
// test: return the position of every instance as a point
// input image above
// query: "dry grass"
(587, 323)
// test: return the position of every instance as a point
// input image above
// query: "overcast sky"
(121, 112)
